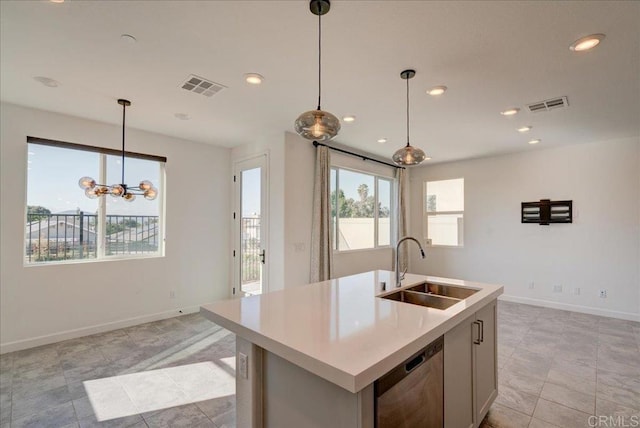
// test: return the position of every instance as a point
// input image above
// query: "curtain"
(401, 175)
(321, 245)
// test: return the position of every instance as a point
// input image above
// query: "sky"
(53, 174)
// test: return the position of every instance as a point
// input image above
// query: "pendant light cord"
(407, 111)
(319, 55)
(124, 107)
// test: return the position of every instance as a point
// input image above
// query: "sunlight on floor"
(130, 394)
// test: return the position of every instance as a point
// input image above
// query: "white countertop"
(340, 329)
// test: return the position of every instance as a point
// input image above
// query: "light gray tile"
(183, 416)
(520, 382)
(504, 417)
(58, 416)
(108, 400)
(152, 390)
(537, 370)
(28, 388)
(585, 402)
(134, 421)
(537, 423)
(609, 408)
(622, 394)
(516, 400)
(88, 358)
(560, 415)
(572, 381)
(22, 408)
(218, 406)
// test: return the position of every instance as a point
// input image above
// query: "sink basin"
(422, 299)
(443, 290)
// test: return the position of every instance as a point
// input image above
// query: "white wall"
(600, 250)
(43, 304)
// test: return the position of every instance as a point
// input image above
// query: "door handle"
(263, 256)
(481, 330)
(477, 341)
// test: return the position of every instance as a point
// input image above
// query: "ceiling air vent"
(202, 86)
(548, 104)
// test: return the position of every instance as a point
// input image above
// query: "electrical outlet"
(531, 285)
(172, 294)
(557, 288)
(576, 291)
(243, 366)
(603, 294)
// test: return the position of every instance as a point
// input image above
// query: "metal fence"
(251, 249)
(54, 237)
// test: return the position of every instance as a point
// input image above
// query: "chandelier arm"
(319, 56)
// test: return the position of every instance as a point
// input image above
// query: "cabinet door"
(458, 376)
(486, 377)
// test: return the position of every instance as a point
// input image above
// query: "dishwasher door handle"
(415, 363)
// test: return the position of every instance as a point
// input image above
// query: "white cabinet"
(470, 369)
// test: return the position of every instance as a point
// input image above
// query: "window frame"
(392, 210)
(101, 237)
(426, 214)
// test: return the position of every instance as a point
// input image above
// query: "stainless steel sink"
(422, 299)
(444, 290)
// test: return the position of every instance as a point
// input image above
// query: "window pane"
(384, 212)
(445, 229)
(132, 227)
(445, 195)
(333, 188)
(61, 220)
(355, 210)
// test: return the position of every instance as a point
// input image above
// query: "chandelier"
(317, 124)
(93, 190)
(408, 155)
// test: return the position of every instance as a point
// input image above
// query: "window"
(444, 211)
(361, 210)
(62, 224)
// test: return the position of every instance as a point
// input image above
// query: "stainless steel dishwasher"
(412, 394)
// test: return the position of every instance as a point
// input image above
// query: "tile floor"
(556, 369)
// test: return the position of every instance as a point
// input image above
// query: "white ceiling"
(491, 55)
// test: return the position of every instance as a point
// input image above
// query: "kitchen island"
(310, 355)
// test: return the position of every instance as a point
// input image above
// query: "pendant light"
(93, 190)
(408, 155)
(318, 125)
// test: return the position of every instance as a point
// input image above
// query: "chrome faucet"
(400, 276)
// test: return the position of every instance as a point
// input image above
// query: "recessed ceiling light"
(525, 128)
(56, 1)
(253, 78)
(534, 141)
(382, 140)
(437, 90)
(182, 116)
(47, 81)
(349, 118)
(510, 111)
(128, 38)
(586, 43)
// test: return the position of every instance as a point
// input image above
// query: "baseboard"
(629, 316)
(19, 345)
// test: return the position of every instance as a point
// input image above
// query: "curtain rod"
(363, 157)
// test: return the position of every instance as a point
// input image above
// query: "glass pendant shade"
(145, 185)
(87, 183)
(129, 197)
(91, 193)
(117, 191)
(317, 125)
(151, 194)
(409, 155)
